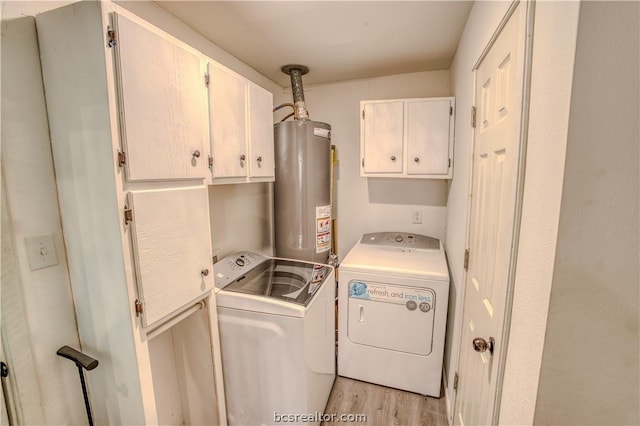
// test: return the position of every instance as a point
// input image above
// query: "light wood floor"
(384, 406)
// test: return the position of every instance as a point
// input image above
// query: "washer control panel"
(234, 266)
(401, 239)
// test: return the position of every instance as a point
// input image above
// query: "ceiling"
(337, 40)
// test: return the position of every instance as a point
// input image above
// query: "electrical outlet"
(41, 251)
(417, 217)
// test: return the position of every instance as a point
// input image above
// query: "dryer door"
(391, 317)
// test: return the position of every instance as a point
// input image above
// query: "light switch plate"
(41, 251)
(416, 216)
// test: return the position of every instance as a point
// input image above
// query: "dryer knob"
(240, 262)
(399, 238)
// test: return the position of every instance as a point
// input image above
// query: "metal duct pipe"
(296, 72)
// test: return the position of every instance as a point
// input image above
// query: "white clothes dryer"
(392, 302)
(277, 337)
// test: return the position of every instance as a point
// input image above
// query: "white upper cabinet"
(261, 161)
(171, 247)
(382, 135)
(241, 128)
(162, 102)
(410, 138)
(228, 122)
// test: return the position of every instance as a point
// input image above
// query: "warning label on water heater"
(323, 228)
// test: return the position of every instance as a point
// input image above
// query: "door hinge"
(450, 110)
(138, 307)
(473, 117)
(206, 79)
(4, 370)
(112, 36)
(363, 114)
(449, 162)
(466, 259)
(122, 158)
(456, 379)
(210, 160)
(128, 215)
(363, 162)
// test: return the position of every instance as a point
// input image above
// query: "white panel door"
(428, 138)
(261, 161)
(228, 121)
(383, 124)
(499, 81)
(171, 247)
(162, 101)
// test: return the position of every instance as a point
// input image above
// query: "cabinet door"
(228, 121)
(261, 161)
(162, 101)
(171, 247)
(383, 137)
(428, 137)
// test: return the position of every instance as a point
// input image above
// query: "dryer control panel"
(401, 239)
(234, 266)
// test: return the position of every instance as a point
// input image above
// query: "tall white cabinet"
(128, 115)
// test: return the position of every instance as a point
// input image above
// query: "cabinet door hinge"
(363, 114)
(363, 162)
(210, 160)
(473, 117)
(456, 380)
(4, 370)
(112, 36)
(450, 110)
(138, 307)
(128, 215)
(466, 259)
(449, 162)
(122, 158)
(206, 79)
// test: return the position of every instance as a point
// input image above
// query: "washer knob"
(399, 238)
(240, 262)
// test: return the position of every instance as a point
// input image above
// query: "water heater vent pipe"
(296, 72)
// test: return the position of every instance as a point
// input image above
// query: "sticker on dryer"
(412, 298)
(323, 228)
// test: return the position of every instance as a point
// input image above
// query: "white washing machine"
(392, 301)
(277, 336)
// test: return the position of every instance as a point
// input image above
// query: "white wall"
(554, 44)
(481, 24)
(553, 55)
(590, 367)
(376, 204)
(33, 210)
(33, 207)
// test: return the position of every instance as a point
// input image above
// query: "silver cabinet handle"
(417, 160)
(393, 158)
(259, 159)
(196, 153)
(204, 272)
(243, 157)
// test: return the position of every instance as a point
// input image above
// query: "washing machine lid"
(407, 258)
(271, 285)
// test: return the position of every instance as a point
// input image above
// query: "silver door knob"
(393, 158)
(481, 345)
(243, 157)
(417, 160)
(196, 153)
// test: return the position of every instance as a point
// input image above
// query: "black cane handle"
(81, 360)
